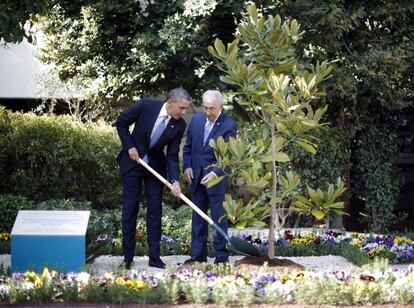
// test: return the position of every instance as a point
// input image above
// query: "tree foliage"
(13, 17)
(122, 50)
(372, 43)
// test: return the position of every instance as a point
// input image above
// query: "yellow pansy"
(4, 236)
(399, 240)
(31, 276)
(46, 273)
(131, 284)
(141, 284)
(38, 282)
(284, 277)
(296, 275)
(54, 274)
(120, 280)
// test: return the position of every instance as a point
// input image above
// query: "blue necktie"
(157, 132)
(207, 130)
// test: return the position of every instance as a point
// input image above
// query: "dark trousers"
(132, 183)
(205, 199)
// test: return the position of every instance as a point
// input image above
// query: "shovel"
(234, 243)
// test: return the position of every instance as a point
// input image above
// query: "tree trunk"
(274, 214)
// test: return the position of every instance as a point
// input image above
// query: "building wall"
(18, 71)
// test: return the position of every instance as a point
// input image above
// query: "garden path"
(104, 264)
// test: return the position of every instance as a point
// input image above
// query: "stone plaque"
(54, 239)
(51, 223)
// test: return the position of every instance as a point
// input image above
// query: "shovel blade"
(243, 247)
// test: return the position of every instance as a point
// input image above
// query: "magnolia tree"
(261, 66)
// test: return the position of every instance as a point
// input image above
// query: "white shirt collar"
(164, 112)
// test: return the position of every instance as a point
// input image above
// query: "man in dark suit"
(157, 125)
(197, 156)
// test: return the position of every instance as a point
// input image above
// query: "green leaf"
(212, 51)
(241, 224)
(304, 200)
(309, 122)
(318, 214)
(282, 157)
(316, 198)
(337, 205)
(215, 181)
(251, 9)
(228, 80)
(232, 47)
(306, 146)
(221, 50)
(280, 141)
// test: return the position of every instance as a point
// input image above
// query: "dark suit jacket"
(143, 115)
(198, 156)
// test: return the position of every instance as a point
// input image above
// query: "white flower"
(4, 289)
(27, 285)
(83, 278)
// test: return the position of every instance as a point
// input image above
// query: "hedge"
(56, 157)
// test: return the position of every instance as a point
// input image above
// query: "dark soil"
(254, 263)
(276, 263)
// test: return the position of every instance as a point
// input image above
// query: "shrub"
(55, 157)
(9, 206)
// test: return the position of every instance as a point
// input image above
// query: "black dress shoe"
(127, 264)
(221, 260)
(194, 260)
(156, 262)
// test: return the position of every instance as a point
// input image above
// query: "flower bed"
(218, 285)
(358, 248)
(396, 249)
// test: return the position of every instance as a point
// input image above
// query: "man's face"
(177, 109)
(211, 107)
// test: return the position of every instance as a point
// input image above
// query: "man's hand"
(176, 189)
(188, 175)
(133, 154)
(207, 178)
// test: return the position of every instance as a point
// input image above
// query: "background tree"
(372, 89)
(13, 17)
(122, 50)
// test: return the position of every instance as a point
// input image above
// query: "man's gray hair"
(215, 94)
(178, 94)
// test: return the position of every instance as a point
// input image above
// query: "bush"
(55, 157)
(9, 207)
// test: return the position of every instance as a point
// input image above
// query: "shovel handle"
(182, 197)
